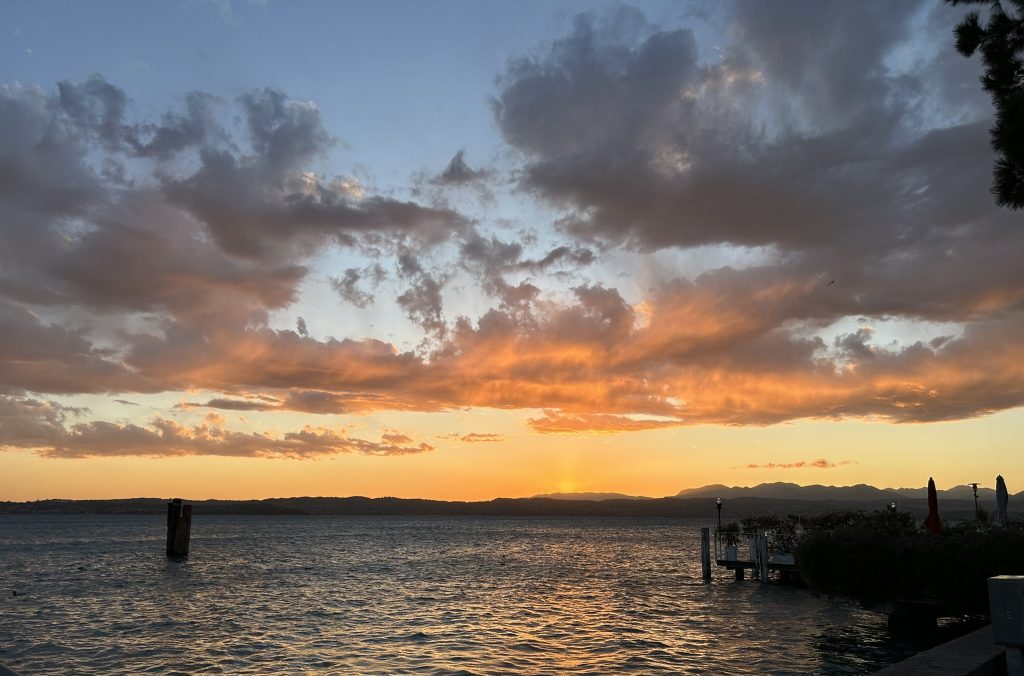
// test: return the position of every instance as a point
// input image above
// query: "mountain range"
(699, 503)
(789, 491)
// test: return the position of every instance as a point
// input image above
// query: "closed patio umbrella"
(1002, 499)
(932, 523)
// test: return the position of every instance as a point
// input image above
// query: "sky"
(463, 250)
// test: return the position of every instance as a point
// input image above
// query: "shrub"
(881, 557)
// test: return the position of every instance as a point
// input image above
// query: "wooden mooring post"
(762, 556)
(705, 553)
(179, 526)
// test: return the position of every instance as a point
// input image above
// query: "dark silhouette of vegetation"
(1001, 44)
(781, 532)
(730, 534)
(883, 556)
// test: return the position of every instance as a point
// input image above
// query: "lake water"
(293, 595)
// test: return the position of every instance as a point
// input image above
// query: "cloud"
(95, 107)
(347, 286)
(804, 147)
(491, 260)
(572, 257)
(697, 358)
(63, 221)
(258, 202)
(209, 229)
(422, 302)
(43, 357)
(261, 404)
(149, 255)
(43, 427)
(826, 154)
(458, 173)
(481, 437)
(197, 126)
(554, 422)
(820, 463)
(474, 437)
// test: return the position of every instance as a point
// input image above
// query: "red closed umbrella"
(932, 523)
(1002, 500)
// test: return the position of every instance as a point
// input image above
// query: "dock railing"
(756, 550)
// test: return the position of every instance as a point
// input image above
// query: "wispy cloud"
(474, 437)
(820, 463)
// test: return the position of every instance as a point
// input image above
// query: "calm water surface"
(294, 595)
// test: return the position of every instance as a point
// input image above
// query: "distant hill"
(700, 507)
(780, 490)
(963, 492)
(591, 496)
(790, 491)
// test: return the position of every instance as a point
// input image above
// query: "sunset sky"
(464, 250)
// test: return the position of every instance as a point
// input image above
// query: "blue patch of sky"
(402, 85)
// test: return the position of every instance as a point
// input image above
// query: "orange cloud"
(43, 426)
(820, 463)
(479, 437)
(712, 352)
(554, 422)
(591, 366)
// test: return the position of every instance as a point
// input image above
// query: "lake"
(285, 595)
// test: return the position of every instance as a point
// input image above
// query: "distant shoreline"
(734, 509)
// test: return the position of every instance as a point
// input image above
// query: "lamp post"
(975, 487)
(718, 504)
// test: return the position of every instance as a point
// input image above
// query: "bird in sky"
(831, 283)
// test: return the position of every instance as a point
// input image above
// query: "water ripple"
(385, 595)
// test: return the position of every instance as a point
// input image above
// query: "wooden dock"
(740, 552)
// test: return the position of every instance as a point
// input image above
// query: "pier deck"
(740, 552)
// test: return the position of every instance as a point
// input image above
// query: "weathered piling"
(705, 553)
(179, 526)
(759, 554)
(763, 556)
